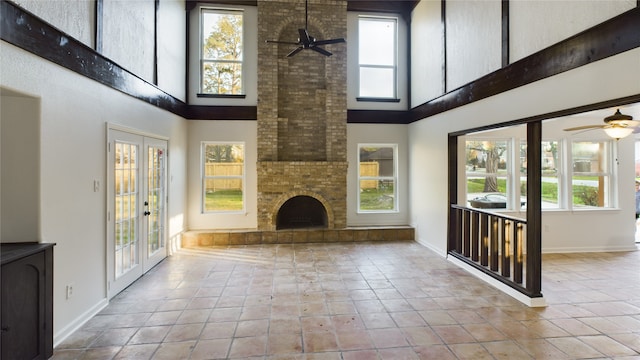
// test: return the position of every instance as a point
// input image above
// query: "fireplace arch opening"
(301, 212)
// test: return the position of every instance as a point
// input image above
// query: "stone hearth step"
(294, 236)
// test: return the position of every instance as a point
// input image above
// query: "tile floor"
(378, 300)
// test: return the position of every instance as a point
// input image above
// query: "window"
(577, 175)
(221, 53)
(591, 179)
(487, 173)
(377, 178)
(223, 177)
(552, 176)
(377, 57)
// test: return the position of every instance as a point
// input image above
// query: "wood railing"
(494, 244)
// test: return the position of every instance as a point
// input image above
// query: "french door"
(136, 211)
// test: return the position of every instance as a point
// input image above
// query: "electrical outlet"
(69, 291)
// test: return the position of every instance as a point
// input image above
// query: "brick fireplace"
(302, 135)
(302, 111)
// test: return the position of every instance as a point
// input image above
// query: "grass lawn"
(582, 194)
(376, 199)
(223, 200)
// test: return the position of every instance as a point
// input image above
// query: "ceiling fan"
(306, 41)
(616, 126)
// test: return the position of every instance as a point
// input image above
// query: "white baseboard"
(566, 250)
(529, 301)
(438, 251)
(64, 333)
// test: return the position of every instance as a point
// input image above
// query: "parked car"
(491, 201)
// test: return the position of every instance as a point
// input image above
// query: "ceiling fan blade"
(330, 41)
(305, 39)
(585, 127)
(321, 51)
(624, 123)
(282, 42)
(295, 51)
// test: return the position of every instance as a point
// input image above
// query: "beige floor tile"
(364, 300)
(248, 346)
(211, 349)
(150, 335)
(137, 352)
(607, 346)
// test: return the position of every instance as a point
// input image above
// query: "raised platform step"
(255, 237)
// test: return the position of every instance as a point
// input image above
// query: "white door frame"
(141, 139)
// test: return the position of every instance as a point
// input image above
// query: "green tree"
(493, 151)
(222, 51)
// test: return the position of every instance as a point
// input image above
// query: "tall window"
(377, 178)
(487, 170)
(552, 176)
(377, 57)
(591, 179)
(221, 53)
(223, 177)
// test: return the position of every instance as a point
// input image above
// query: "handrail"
(493, 243)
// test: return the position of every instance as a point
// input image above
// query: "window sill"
(222, 96)
(374, 99)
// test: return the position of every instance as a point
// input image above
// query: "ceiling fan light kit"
(618, 132)
(306, 41)
(616, 126)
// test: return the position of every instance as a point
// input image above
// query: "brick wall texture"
(302, 109)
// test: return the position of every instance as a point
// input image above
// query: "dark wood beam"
(534, 209)
(505, 32)
(201, 112)
(28, 32)
(191, 4)
(376, 117)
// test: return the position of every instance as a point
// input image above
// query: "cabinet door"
(22, 313)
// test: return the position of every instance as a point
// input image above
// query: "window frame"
(511, 175)
(204, 177)
(607, 172)
(201, 60)
(565, 173)
(394, 178)
(560, 173)
(393, 67)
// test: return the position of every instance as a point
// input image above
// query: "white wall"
(172, 58)
(426, 56)
(225, 131)
(599, 81)
(74, 111)
(73, 17)
(537, 24)
(377, 134)
(20, 184)
(474, 40)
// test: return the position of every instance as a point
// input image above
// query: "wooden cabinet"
(26, 300)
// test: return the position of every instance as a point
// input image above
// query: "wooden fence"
(228, 176)
(369, 168)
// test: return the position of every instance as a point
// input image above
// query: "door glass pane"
(155, 204)
(125, 211)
